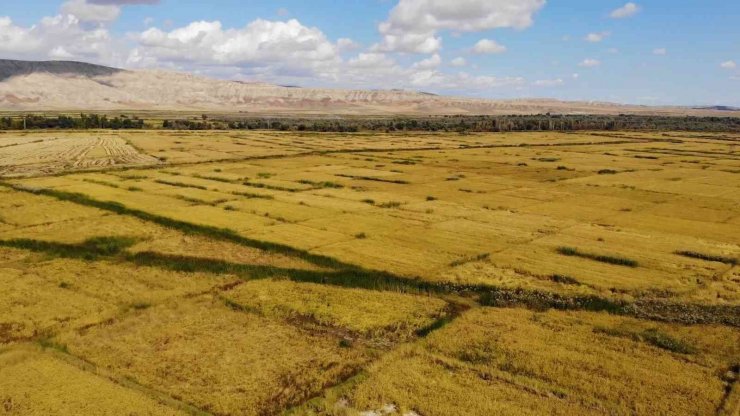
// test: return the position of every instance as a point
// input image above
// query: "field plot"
(252, 273)
(37, 154)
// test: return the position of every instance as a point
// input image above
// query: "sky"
(652, 52)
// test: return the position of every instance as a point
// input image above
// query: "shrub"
(390, 204)
(566, 280)
(707, 257)
(619, 261)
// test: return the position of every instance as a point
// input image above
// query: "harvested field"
(45, 154)
(255, 273)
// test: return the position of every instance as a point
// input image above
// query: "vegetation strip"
(619, 261)
(708, 257)
(372, 178)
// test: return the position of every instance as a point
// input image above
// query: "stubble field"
(254, 273)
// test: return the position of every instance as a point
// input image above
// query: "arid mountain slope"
(39, 86)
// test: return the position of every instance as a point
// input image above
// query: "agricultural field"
(431, 274)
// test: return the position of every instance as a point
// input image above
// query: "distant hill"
(10, 68)
(718, 108)
(79, 86)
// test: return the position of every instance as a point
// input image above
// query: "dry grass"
(223, 361)
(365, 312)
(514, 361)
(36, 384)
(253, 271)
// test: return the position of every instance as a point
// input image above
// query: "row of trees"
(543, 122)
(84, 121)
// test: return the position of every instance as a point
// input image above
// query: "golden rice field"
(430, 274)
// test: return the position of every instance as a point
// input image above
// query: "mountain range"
(79, 86)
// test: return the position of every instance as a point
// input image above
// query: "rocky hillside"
(57, 85)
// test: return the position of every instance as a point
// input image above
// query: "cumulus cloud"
(590, 63)
(629, 9)
(660, 51)
(371, 60)
(283, 46)
(413, 25)
(58, 37)
(459, 61)
(90, 12)
(728, 65)
(487, 46)
(347, 44)
(429, 63)
(548, 82)
(596, 37)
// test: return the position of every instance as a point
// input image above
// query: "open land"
(258, 272)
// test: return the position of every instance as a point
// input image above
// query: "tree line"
(543, 122)
(461, 123)
(83, 122)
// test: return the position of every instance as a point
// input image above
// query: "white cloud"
(60, 53)
(88, 12)
(371, 60)
(429, 63)
(412, 25)
(629, 9)
(462, 81)
(728, 65)
(282, 46)
(459, 61)
(590, 63)
(660, 51)
(59, 37)
(576, 75)
(487, 46)
(409, 42)
(596, 37)
(281, 52)
(548, 82)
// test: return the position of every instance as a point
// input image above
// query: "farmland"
(259, 272)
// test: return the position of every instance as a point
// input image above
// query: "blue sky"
(678, 52)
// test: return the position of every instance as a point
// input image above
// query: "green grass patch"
(389, 204)
(470, 259)
(619, 261)
(251, 195)
(324, 184)
(90, 249)
(373, 178)
(103, 183)
(708, 257)
(564, 279)
(180, 184)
